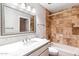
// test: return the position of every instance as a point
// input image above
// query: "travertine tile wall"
(65, 26)
(48, 25)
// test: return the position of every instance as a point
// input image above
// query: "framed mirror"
(15, 21)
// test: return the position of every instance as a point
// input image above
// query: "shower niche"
(75, 30)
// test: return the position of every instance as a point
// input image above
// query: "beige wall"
(63, 26)
(48, 25)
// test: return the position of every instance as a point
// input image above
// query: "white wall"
(40, 19)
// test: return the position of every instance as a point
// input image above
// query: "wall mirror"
(16, 21)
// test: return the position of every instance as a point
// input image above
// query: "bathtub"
(65, 50)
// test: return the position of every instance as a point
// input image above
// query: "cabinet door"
(39, 51)
(45, 53)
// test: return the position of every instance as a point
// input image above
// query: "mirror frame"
(3, 21)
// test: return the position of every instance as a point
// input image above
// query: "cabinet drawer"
(39, 51)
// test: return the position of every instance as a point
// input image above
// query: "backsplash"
(64, 27)
(14, 38)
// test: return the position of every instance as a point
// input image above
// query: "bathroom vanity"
(40, 51)
(13, 21)
(34, 47)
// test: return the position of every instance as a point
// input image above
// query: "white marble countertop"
(20, 49)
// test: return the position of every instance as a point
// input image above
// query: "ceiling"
(55, 7)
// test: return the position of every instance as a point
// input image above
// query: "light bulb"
(33, 10)
(23, 5)
(28, 8)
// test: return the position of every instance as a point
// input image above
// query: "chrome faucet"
(24, 41)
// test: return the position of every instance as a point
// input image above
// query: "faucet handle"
(28, 39)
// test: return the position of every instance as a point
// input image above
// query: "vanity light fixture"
(16, 4)
(26, 7)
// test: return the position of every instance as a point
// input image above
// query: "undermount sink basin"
(34, 41)
(31, 42)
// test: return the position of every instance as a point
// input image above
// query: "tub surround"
(48, 25)
(65, 26)
(19, 48)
